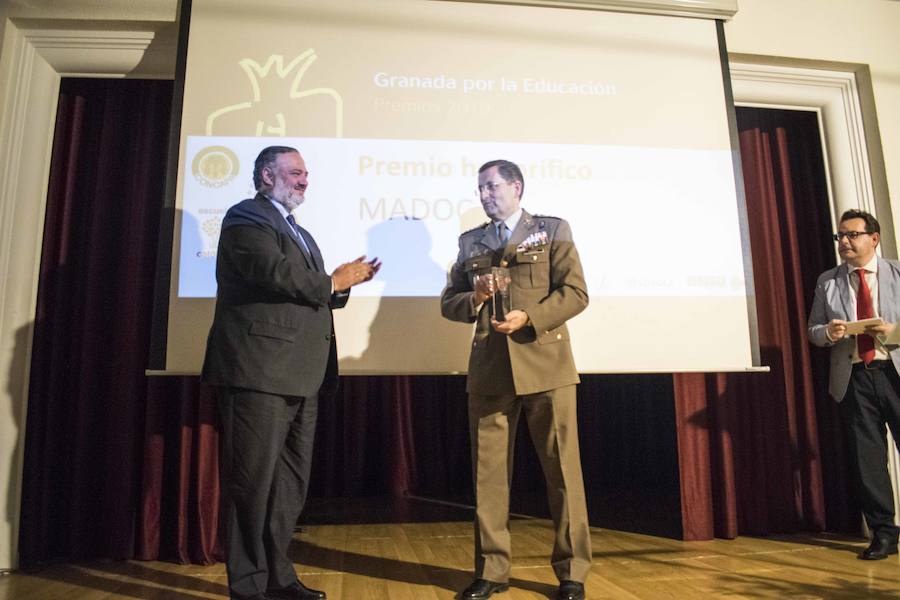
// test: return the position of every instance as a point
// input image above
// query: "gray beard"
(291, 203)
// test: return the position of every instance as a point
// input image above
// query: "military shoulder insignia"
(478, 228)
(543, 220)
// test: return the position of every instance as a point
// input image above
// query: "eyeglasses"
(491, 186)
(851, 235)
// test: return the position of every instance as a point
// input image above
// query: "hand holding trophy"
(483, 284)
(494, 284)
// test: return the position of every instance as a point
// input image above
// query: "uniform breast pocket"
(536, 264)
(477, 265)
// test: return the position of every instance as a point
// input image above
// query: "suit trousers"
(873, 400)
(553, 423)
(266, 444)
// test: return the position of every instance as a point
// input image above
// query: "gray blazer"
(834, 300)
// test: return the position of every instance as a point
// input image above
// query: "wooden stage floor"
(431, 561)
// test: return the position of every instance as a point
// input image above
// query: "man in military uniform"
(522, 362)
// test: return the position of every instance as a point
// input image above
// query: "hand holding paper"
(858, 327)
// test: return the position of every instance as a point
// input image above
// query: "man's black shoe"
(298, 591)
(879, 549)
(480, 589)
(570, 590)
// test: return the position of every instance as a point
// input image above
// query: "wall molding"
(19, 256)
(853, 163)
(108, 49)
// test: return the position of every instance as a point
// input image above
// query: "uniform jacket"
(272, 330)
(834, 299)
(547, 283)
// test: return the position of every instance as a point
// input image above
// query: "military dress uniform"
(531, 370)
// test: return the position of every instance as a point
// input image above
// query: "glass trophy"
(497, 280)
(500, 301)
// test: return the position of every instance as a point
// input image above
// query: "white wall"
(850, 31)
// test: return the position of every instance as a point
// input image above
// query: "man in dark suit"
(863, 375)
(521, 362)
(271, 354)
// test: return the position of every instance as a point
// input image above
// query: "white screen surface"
(618, 122)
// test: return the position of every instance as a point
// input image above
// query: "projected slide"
(407, 202)
(618, 122)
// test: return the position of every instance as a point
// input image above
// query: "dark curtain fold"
(754, 441)
(179, 503)
(83, 453)
(368, 413)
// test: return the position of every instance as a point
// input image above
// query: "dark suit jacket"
(273, 330)
(547, 283)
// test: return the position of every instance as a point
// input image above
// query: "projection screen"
(618, 121)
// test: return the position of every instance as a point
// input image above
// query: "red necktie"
(864, 310)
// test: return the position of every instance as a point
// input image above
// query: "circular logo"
(215, 166)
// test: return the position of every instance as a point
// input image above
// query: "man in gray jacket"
(863, 375)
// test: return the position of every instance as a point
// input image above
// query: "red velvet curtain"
(86, 405)
(750, 449)
(178, 510)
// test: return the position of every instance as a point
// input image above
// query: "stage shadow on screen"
(403, 245)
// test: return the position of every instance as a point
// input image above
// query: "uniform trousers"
(553, 423)
(266, 444)
(873, 400)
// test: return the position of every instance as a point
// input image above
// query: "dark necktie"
(865, 345)
(296, 228)
(503, 233)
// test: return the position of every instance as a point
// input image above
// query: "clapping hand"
(353, 273)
